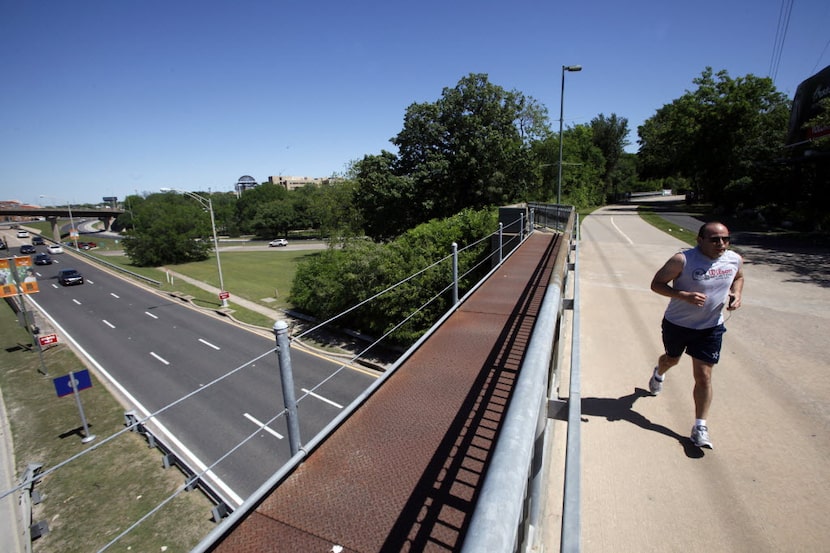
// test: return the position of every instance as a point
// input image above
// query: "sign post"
(73, 383)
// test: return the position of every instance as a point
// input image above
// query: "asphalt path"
(156, 350)
(766, 484)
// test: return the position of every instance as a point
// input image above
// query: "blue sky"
(113, 97)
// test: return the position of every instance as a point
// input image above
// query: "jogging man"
(704, 280)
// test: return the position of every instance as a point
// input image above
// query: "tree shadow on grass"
(622, 409)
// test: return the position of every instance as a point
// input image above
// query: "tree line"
(478, 146)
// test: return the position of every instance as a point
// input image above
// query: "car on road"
(277, 243)
(68, 277)
(43, 259)
(37, 240)
(27, 249)
(3, 245)
(23, 233)
(54, 249)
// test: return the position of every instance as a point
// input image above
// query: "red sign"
(47, 339)
(224, 295)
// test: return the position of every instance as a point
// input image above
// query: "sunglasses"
(719, 239)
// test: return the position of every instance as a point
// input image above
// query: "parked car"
(68, 277)
(37, 240)
(27, 249)
(22, 233)
(87, 245)
(278, 242)
(43, 259)
(54, 249)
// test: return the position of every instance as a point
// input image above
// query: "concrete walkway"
(766, 485)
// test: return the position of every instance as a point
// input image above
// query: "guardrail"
(510, 507)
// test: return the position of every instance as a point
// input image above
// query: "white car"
(23, 234)
(54, 248)
(278, 242)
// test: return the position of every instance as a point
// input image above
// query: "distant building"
(245, 182)
(293, 183)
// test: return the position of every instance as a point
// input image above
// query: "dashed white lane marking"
(262, 426)
(160, 358)
(205, 342)
(321, 398)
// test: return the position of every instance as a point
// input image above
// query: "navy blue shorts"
(703, 344)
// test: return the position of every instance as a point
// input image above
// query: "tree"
(469, 149)
(719, 134)
(609, 135)
(172, 229)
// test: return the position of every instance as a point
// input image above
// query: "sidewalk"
(766, 485)
(12, 531)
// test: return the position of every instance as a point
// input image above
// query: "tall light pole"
(561, 119)
(207, 203)
(73, 232)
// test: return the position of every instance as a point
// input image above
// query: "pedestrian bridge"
(447, 451)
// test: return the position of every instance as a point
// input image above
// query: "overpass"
(52, 214)
(413, 465)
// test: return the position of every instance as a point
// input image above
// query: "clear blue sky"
(112, 97)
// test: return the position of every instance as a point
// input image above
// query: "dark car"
(43, 259)
(37, 240)
(3, 245)
(27, 249)
(68, 277)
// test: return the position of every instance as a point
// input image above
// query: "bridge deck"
(402, 473)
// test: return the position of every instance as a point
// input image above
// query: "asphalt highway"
(155, 350)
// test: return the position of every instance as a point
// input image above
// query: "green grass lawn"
(92, 499)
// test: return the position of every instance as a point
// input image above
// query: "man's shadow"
(622, 409)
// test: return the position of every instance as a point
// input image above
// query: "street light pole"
(561, 119)
(72, 230)
(208, 203)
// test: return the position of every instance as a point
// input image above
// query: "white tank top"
(712, 277)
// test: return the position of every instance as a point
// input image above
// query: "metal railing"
(509, 510)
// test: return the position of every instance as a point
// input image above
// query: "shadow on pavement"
(622, 409)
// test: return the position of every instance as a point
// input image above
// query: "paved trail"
(766, 485)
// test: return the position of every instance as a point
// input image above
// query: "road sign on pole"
(224, 295)
(72, 383)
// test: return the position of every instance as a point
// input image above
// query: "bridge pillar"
(107, 220)
(56, 231)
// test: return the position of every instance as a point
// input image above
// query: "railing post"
(521, 227)
(454, 273)
(287, 380)
(501, 242)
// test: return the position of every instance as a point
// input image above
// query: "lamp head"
(572, 67)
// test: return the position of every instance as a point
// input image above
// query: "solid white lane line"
(205, 342)
(162, 359)
(109, 324)
(321, 398)
(150, 314)
(262, 425)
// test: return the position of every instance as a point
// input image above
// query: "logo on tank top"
(711, 274)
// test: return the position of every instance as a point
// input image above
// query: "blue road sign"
(63, 384)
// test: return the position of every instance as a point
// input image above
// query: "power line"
(780, 37)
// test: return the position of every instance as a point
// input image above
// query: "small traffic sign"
(224, 295)
(47, 339)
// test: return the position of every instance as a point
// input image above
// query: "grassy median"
(91, 500)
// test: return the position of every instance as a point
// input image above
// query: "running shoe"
(700, 437)
(655, 386)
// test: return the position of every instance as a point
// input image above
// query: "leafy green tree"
(173, 229)
(721, 133)
(250, 201)
(339, 279)
(610, 136)
(469, 149)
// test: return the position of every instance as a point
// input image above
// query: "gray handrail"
(508, 509)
